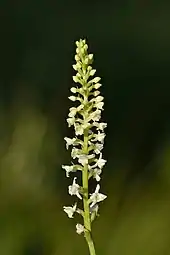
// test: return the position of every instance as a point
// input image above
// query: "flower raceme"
(88, 142)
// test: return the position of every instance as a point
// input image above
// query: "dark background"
(130, 41)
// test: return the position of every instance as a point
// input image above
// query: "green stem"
(87, 221)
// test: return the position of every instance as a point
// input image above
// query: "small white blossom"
(72, 98)
(71, 121)
(99, 105)
(97, 85)
(95, 80)
(96, 93)
(68, 169)
(98, 99)
(79, 130)
(70, 210)
(74, 189)
(84, 159)
(92, 72)
(75, 79)
(73, 90)
(94, 208)
(96, 173)
(97, 197)
(75, 67)
(69, 141)
(79, 228)
(75, 152)
(99, 137)
(101, 162)
(98, 148)
(90, 56)
(95, 116)
(100, 126)
(73, 111)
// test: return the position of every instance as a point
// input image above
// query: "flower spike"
(88, 142)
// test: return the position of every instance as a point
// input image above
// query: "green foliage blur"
(131, 45)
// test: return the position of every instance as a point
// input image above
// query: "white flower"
(84, 159)
(100, 126)
(70, 210)
(96, 173)
(71, 121)
(96, 93)
(92, 72)
(99, 99)
(79, 130)
(99, 105)
(95, 116)
(72, 98)
(75, 152)
(74, 189)
(75, 79)
(97, 197)
(94, 208)
(97, 85)
(68, 169)
(90, 56)
(79, 229)
(94, 212)
(101, 162)
(98, 148)
(69, 141)
(75, 67)
(73, 90)
(99, 137)
(73, 111)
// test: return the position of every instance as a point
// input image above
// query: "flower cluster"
(89, 133)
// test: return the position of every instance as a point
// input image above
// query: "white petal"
(79, 229)
(72, 98)
(73, 90)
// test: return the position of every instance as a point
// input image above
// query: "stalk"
(87, 221)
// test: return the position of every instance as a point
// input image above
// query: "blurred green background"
(131, 44)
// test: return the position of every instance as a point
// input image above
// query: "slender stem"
(87, 221)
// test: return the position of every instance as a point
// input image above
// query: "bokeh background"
(131, 44)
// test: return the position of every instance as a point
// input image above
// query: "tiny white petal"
(75, 79)
(72, 98)
(68, 169)
(73, 90)
(74, 67)
(100, 126)
(99, 105)
(89, 68)
(77, 58)
(84, 159)
(90, 56)
(79, 229)
(97, 85)
(74, 189)
(96, 93)
(92, 72)
(99, 99)
(97, 197)
(69, 141)
(75, 152)
(73, 111)
(71, 121)
(96, 79)
(79, 130)
(99, 137)
(70, 210)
